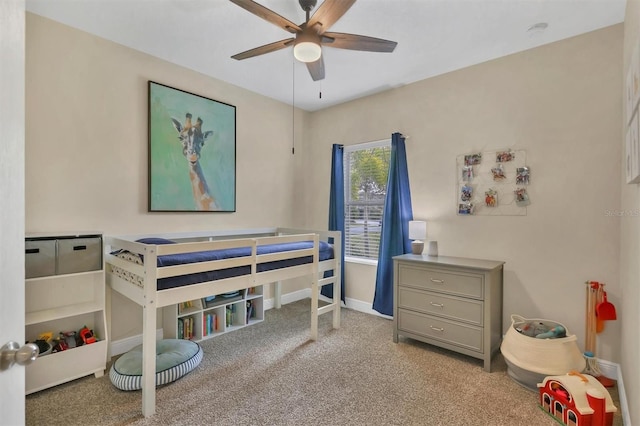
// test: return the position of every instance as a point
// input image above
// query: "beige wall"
(86, 149)
(561, 104)
(87, 154)
(629, 312)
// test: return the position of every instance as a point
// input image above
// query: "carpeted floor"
(272, 374)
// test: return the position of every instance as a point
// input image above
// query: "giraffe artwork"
(193, 138)
(196, 172)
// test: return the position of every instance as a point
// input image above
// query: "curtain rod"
(373, 143)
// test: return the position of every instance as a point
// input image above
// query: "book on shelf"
(189, 306)
(185, 328)
(228, 314)
(249, 310)
(205, 325)
(209, 321)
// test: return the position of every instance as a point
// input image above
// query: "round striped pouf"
(174, 359)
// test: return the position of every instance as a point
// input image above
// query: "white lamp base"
(417, 247)
(433, 248)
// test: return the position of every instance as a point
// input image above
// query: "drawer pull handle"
(437, 305)
(436, 328)
(32, 251)
(433, 280)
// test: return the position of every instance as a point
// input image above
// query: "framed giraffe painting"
(192, 152)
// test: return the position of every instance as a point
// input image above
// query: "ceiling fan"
(312, 34)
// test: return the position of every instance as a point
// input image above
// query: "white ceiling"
(434, 37)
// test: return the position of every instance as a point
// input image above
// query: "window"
(366, 169)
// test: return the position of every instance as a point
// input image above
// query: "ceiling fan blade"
(316, 69)
(328, 13)
(267, 48)
(357, 42)
(268, 15)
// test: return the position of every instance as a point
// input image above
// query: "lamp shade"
(417, 230)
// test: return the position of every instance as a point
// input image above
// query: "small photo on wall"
(504, 156)
(471, 159)
(466, 193)
(522, 198)
(522, 175)
(498, 173)
(465, 208)
(467, 173)
(491, 198)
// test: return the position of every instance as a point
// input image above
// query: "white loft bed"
(145, 291)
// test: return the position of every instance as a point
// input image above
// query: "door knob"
(12, 353)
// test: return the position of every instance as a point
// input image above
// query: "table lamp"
(417, 233)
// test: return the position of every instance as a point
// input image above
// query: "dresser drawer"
(456, 308)
(463, 335)
(458, 283)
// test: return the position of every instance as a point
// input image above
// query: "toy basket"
(530, 360)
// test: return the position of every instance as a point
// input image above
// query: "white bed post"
(277, 290)
(337, 284)
(149, 335)
(314, 288)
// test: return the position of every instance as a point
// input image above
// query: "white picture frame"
(632, 84)
(632, 153)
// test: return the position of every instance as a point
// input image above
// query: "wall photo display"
(192, 152)
(493, 183)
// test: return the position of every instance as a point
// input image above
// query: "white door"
(12, 55)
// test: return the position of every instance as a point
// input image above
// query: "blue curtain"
(336, 212)
(394, 239)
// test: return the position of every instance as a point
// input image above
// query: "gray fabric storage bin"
(40, 257)
(79, 255)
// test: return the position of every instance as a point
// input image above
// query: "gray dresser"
(451, 302)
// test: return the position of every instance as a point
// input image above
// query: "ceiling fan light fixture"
(307, 51)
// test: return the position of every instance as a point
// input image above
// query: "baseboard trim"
(613, 371)
(288, 298)
(367, 308)
(121, 346)
(356, 305)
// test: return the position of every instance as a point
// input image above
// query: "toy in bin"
(87, 335)
(66, 340)
(576, 399)
(540, 330)
(44, 343)
(72, 339)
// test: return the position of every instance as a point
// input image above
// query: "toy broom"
(597, 311)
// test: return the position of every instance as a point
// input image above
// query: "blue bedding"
(326, 252)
